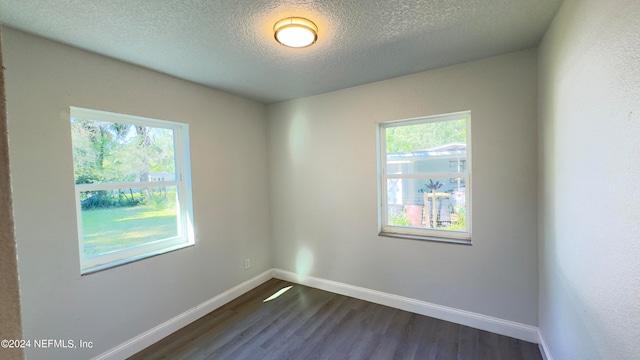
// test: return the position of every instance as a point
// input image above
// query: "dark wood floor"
(307, 323)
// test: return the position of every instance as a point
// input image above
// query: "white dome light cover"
(295, 32)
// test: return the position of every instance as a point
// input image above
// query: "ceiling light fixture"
(295, 32)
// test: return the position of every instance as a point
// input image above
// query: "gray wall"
(590, 203)
(229, 169)
(322, 158)
(10, 321)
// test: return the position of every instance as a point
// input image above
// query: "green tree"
(423, 136)
(92, 144)
(113, 152)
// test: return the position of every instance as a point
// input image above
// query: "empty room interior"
(283, 168)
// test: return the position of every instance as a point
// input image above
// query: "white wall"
(590, 175)
(228, 146)
(322, 158)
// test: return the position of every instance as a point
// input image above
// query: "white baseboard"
(168, 327)
(499, 326)
(463, 317)
(544, 349)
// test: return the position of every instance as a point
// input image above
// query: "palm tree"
(433, 187)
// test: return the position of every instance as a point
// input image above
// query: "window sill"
(426, 238)
(98, 268)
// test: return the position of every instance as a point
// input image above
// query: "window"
(133, 187)
(425, 178)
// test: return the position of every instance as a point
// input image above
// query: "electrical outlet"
(247, 263)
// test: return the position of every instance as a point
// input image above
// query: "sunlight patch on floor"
(278, 293)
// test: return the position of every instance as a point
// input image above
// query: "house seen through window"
(425, 172)
(133, 189)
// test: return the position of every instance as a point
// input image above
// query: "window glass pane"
(410, 203)
(436, 147)
(123, 218)
(107, 152)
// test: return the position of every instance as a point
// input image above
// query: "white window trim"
(185, 237)
(459, 237)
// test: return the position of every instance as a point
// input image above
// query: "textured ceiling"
(229, 45)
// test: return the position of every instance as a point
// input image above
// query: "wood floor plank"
(530, 351)
(488, 346)
(296, 313)
(313, 303)
(365, 345)
(410, 338)
(308, 323)
(468, 345)
(352, 332)
(243, 335)
(427, 346)
(392, 335)
(447, 338)
(319, 341)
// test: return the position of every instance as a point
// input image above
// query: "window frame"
(415, 233)
(182, 183)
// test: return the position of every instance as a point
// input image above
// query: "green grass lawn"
(118, 228)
